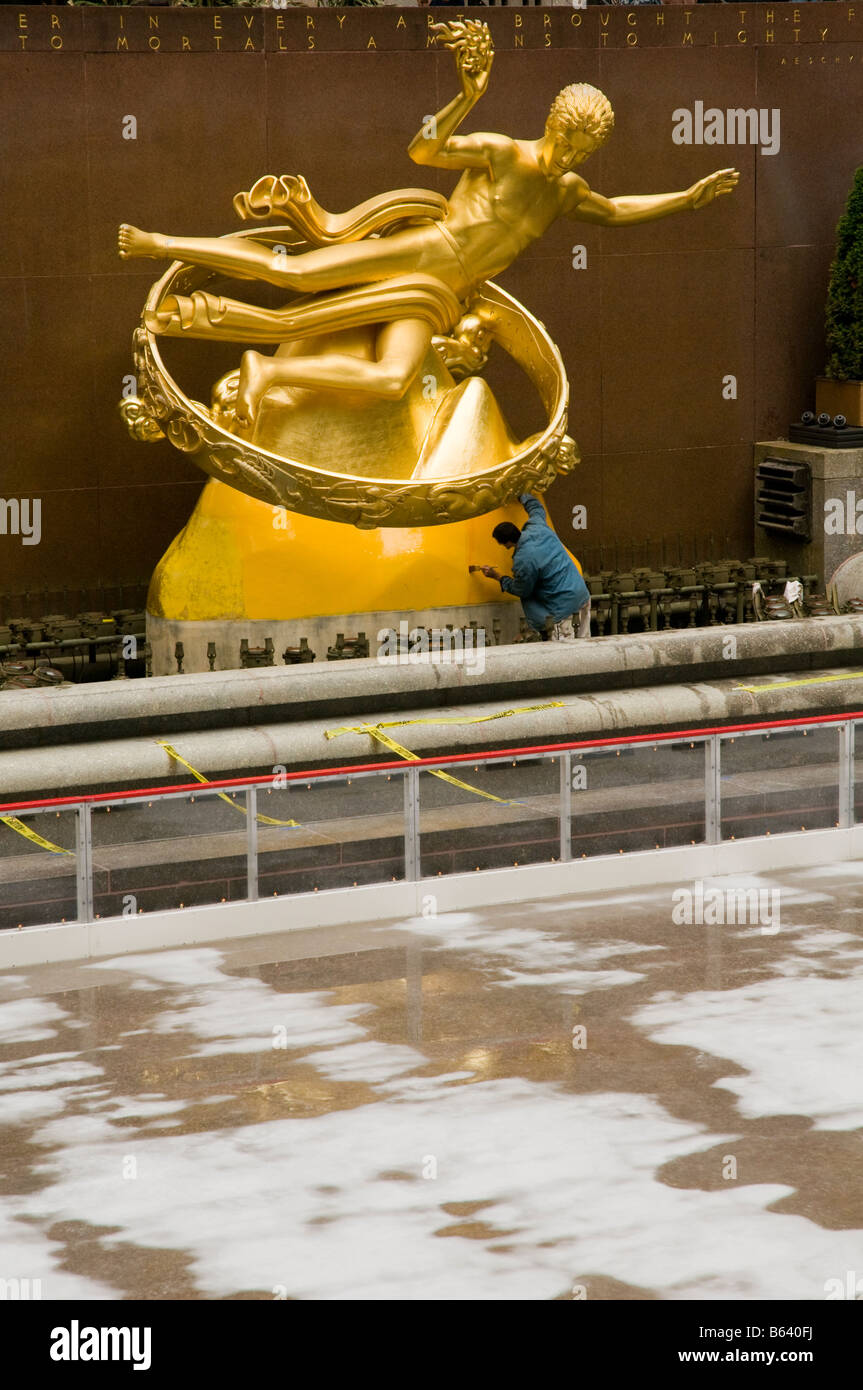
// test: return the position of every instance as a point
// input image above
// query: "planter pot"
(840, 398)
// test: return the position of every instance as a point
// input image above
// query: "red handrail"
(399, 764)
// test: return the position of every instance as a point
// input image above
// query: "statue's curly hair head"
(582, 107)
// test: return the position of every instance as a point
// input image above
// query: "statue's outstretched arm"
(622, 212)
(436, 143)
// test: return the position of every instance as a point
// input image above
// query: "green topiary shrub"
(845, 292)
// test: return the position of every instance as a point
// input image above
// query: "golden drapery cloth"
(204, 315)
(288, 196)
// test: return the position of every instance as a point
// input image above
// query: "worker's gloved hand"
(490, 572)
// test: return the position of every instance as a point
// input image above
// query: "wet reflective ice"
(561, 1099)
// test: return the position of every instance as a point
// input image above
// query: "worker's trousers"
(565, 629)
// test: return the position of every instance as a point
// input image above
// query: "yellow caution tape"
(262, 820)
(22, 829)
(808, 680)
(375, 731)
(444, 776)
(470, 719)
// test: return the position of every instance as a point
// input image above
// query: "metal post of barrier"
(252, 844)
(712, 791)
(412, 824)
(565, 807)
(846, 774)
(84, 863)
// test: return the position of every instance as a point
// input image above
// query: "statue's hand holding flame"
(470, 40)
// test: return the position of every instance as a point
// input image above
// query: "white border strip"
(378, 902)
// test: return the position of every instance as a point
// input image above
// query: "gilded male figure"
(509, 193)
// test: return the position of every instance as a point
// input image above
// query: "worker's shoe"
(563, 631)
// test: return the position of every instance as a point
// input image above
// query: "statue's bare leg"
(400, 350)
(326, 268)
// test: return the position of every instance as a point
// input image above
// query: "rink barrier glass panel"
(641, 796)
(166, 852)
(349, 831)
(40, 886)
(780, 780)
(505, 813)
(113, 854)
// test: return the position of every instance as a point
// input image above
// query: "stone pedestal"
(242, 569)
(837, 510)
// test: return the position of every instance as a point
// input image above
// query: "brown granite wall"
(649, 329)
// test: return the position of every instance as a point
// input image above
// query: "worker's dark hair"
(505, 533)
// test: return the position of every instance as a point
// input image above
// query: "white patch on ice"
(238, 1014)
(29, 1254)
(569, 1179)
(798, 1038)
(32, 1076)
(368, 1061)
(23, 1107)
(530, 956)
(26, 1020)
(131, 1108)
(570, 981)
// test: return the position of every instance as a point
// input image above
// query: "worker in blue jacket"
(544, 575)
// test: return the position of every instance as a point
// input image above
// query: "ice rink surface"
(559, 1100)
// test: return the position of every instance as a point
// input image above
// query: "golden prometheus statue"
(371, 410)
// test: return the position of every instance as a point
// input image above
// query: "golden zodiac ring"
(162, 410)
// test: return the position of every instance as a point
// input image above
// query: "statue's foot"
(253, 384)
(131, 241)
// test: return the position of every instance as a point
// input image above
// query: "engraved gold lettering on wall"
(771, 25)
